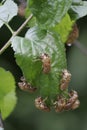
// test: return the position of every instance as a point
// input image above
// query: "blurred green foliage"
(26, 116)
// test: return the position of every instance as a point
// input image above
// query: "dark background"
(25, 116)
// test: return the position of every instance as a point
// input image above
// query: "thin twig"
(15, 34)
(81, 47)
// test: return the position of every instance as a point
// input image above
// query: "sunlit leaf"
(7, 93)
(8, 104)
(63, 28)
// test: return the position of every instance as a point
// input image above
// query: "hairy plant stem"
(15, 34)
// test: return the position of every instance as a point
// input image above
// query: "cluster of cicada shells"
(61, 103)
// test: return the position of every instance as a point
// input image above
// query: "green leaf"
(78, 10)
(8, 104)
(32, 22)
(63, 29)
(28, 49)
(49, 13)
(7, 93)
(7, 11)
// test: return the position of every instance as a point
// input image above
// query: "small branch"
(15, 34)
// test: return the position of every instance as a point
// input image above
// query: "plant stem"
(9, 28)
(15, 34)
(7, 25)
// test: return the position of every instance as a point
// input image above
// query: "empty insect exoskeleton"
(66, 76)
(63, 104)
(41, 105)
(74, 34)
(24, 85)
(59, 104)
(46, 63)
(72, 102)
(75, 105)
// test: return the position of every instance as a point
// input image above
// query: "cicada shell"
(72, 102)
(41, 105)
(74, 34)
(73, 96)
(59, 104)
(24, 85)
(46, 63)
(66, 76)
(75, 105)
